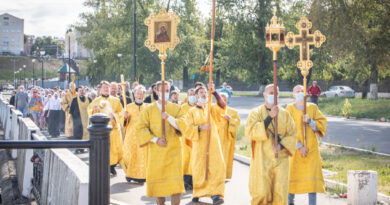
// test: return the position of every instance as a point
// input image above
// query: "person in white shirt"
(54, 108)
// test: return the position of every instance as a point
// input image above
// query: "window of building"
(19, 31)
(5, 23)
(5, 30)
(12, 39)
(5, 48)
(12, 30)
(5, 39)
(5, 18)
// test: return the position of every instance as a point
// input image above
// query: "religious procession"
(277, 139)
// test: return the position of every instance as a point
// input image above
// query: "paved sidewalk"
(236, 192)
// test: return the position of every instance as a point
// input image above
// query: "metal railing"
(99, 149)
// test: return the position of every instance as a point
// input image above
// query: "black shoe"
(195, 200)
(112, 170)
(128, 179)
(218, 200)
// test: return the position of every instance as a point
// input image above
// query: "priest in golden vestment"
(306, 164)
(79, 113)
(185, 143)
(134, 156)
(268, 175)
(112, 107)
(164, 173)
(227, 130)
(65, 105)
(197, 128)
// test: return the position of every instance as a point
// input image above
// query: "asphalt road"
(355, 133)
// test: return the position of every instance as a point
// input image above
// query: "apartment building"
(11, 35)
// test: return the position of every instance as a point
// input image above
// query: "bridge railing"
(47, 180)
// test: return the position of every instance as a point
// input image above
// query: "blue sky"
(52, 17)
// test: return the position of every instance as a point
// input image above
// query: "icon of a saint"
(162, 33)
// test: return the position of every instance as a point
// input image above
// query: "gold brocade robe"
(215, 184)
(164, 173)
(306, 172)
(134, 156)
(65, 105)
(111, 105)
(186, 145)
(83, 109)
(227, 130)
(268, 176)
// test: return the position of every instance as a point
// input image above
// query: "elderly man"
(306, 164)
(134, 156)
(268, 175)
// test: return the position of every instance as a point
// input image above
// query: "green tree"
(357, 31)
(52, 47)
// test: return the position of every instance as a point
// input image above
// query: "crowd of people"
(193, 148)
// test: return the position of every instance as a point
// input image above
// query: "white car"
(339, 91)
(8, 87)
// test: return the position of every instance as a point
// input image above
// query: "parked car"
(228, 87)
(339, 91)
(8, 87)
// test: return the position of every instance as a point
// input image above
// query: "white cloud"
(53, 17)
(44, 17)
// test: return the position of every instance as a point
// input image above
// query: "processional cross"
(304, 40)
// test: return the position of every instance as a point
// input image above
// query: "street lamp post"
(20, 76)
(42, 53)
(134, 40)
(24, 76)
(68, 32)
(33, 62)
(119, 62)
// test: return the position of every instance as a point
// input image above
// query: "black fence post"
(99, 160)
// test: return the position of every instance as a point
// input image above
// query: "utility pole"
(134, 40)
(68, 32)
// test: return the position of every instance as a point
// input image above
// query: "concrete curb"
(328, 183)
(356, 149)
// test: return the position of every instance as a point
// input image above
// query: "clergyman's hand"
(303, 150)
(274, 111)
(164, 115)
(306, 119)
(125, 114)
(205, 126)
(162, 142)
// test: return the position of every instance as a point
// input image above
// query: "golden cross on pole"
(304, 40)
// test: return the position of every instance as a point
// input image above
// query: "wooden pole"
(304, 73)
(276, 142)
(210, 94)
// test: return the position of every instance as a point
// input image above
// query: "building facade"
(28, 44)
(77, 50)
(11, 35)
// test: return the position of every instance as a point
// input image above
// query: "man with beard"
(153, 95)
(112, 107)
